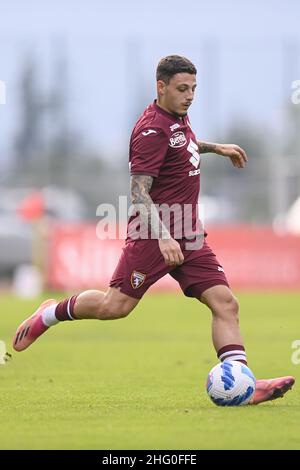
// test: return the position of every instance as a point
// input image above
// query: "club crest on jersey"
(137, 279)
(177, 140)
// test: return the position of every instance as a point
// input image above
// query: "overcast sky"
(113, 47)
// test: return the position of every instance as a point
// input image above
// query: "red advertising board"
(253, 258)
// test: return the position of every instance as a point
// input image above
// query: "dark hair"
(172, 64)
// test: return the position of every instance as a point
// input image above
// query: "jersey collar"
(169, 115)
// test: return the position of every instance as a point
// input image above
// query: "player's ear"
(161, 86)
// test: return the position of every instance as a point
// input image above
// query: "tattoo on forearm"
(206, 147)
(140, 186)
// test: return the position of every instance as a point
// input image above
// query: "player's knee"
(113, 310)
(234, 308)
(228, 308)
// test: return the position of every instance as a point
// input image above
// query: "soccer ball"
(230, 383)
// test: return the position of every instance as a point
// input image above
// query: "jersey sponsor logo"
(174, 126)
(195, 157)
(177, 140)
(149, 131)
(194, 172)
(137, 279)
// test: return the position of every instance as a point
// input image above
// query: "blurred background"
(76, 75)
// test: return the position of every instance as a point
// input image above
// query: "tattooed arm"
(236, 154)
(143, 204)
(206, 147)
(140, 186)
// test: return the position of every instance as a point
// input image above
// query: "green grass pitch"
(139, 382)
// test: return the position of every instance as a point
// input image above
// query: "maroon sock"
(232, 352)
(65, 309)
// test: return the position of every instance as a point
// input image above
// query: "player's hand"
(236, 154)
(171, 251)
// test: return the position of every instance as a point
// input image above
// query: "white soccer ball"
(230, 383)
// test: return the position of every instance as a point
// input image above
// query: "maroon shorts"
(142, 264)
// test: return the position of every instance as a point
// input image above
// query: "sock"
(48, 316)
(65, 309)
(232, 352)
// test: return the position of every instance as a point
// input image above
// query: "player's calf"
(110, 305)
(225, 316)
(109, 310)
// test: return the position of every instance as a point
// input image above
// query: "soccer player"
(164, 234)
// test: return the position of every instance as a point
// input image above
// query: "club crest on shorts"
(137, 279)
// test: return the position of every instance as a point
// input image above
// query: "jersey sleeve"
(147, 152)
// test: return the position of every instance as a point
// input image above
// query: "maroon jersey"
(164, 146)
